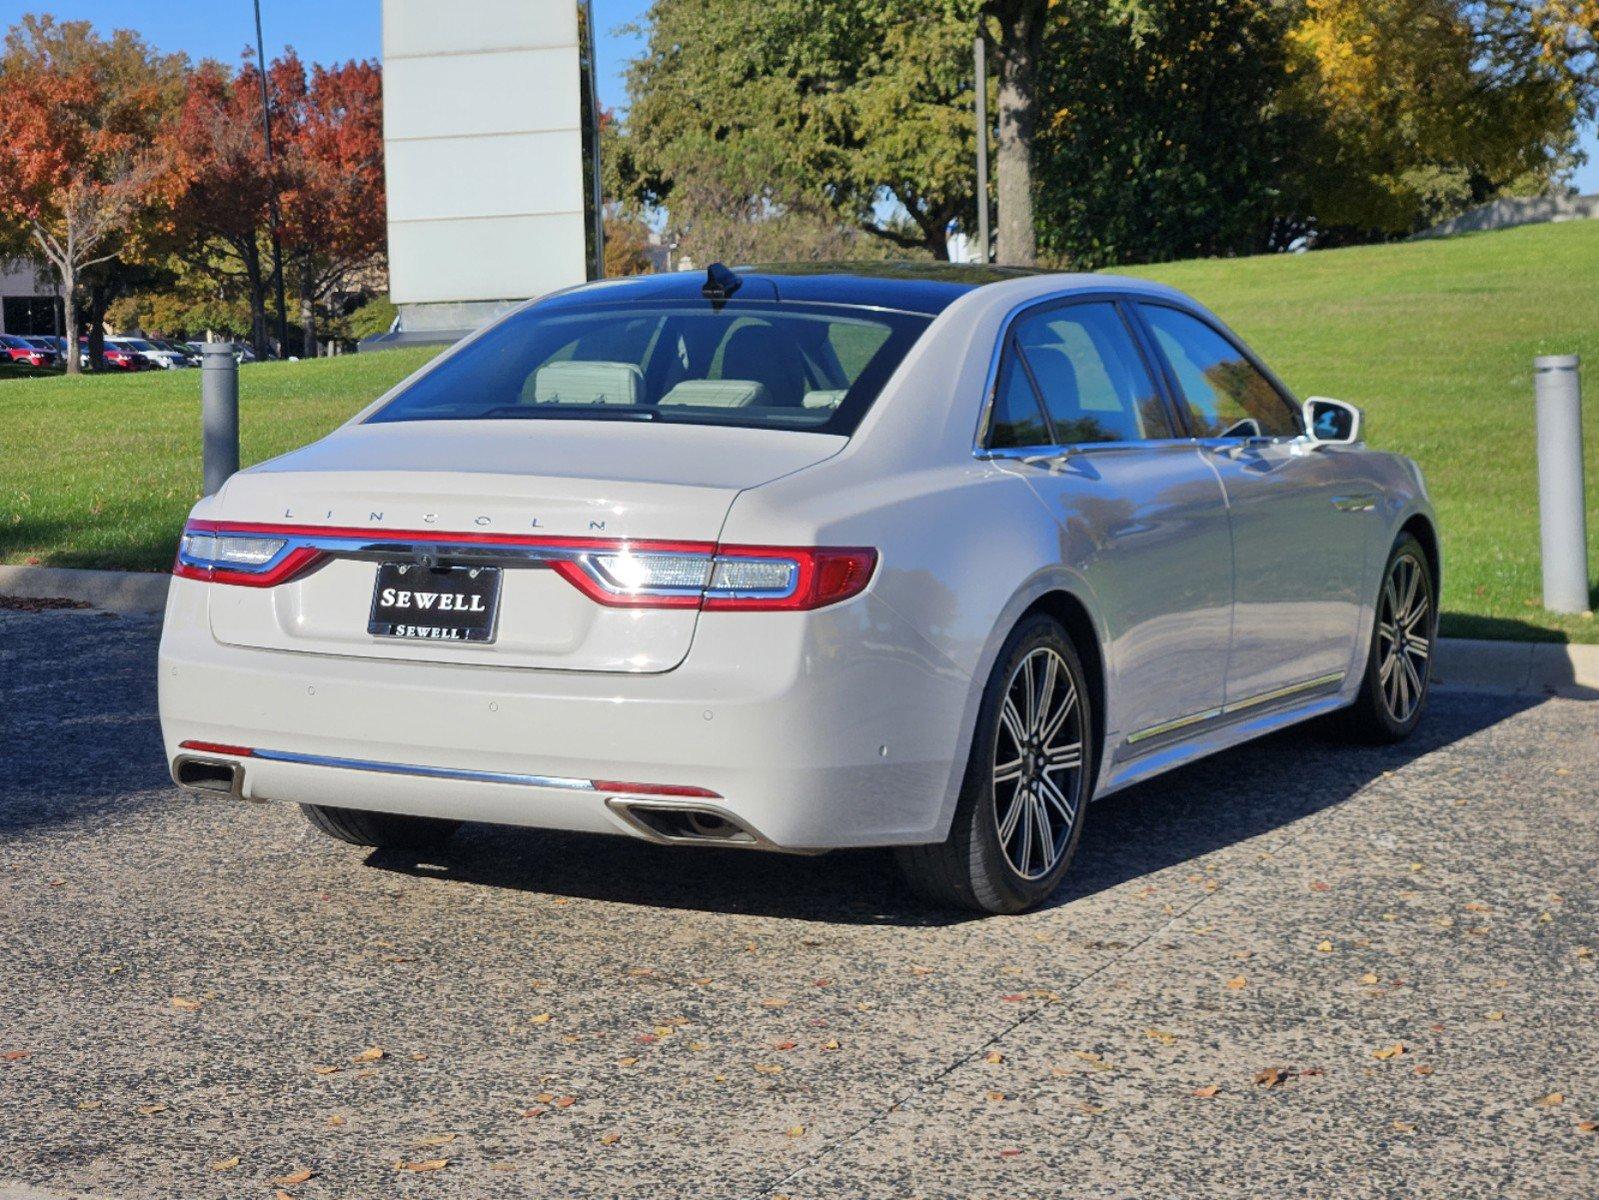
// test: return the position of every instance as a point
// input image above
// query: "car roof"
(920, 287)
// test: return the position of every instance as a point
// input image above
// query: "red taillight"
(612, 571)
(653, 789)
(827, 575)
(218, 748)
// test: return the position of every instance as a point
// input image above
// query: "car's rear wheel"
(1398, 675)
(1027, 782)
(386, 831)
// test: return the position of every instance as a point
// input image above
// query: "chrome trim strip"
(1364, 502)
(1171, 726)
(359, 764)
(1282, 693)
(1237, 706)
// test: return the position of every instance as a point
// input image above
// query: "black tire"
(1390, 702)
(975, 868)
(386, 831)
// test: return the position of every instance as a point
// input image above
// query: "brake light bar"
(610, 571)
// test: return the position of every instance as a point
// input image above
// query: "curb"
(115, 591)
(1532, 668)
(1536, 668)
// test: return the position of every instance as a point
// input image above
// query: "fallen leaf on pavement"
(370, 1054)
(610, 1139)
(1271, 1076)
(1324, 947)
(327, 1070)
(150, 1110)
(1404, 1127)
(438, 1139)
(1424, 1069)
(225, 1164)
(1588, 1126)
(795, 1131)
(1369, 978)
(565, 1101)
(769, 1068)
(16, 1055)
(541, 1019)
(993, 1058)
(1496, 1015)
(294, 1178)
(430, 1164)
(1161, 1036)
(996, 1097)
(184, 1003)
(1012, 1153)
(1387, 1052)
(1206, 1092)
(774, 1002)
(335, 1120)
(1237, 982)
(1552, 1099)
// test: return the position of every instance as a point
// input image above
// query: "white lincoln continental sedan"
(801, 558)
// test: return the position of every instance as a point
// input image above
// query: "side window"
(1093, 381)
(1017, 419)
(1226, 395)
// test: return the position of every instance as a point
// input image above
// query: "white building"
(482, 134)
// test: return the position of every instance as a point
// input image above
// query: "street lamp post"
(266, 136)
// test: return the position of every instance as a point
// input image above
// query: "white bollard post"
(1562, 521)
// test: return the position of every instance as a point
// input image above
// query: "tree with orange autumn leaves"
(79, 171)
(327, 171)
(116, 160)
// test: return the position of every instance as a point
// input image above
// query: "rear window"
(781, 366)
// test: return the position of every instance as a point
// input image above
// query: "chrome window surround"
(1154, 360)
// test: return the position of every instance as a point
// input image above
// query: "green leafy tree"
(1164, 137)
(814, 119)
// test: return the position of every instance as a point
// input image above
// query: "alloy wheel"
(1404, 637)
(1038, 764)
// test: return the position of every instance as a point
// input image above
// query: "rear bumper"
(814, 730)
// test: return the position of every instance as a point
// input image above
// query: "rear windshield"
(779, 366)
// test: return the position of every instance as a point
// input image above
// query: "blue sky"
(332, 30)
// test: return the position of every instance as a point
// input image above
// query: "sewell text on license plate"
(443, 604)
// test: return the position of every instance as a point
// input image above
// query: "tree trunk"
(69, 305)
(99, 301)
(1021, 31)
(251, 256)
(308, 346)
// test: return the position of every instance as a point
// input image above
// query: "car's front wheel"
(1398, 678)
(386, 831)
(1027, 782)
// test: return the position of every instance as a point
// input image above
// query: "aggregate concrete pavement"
(1401, 944)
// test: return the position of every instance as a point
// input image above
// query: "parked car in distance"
(183, 356)
(241, 352)
(24, 352)
(801, 559)
(117, 358)
(146, 349)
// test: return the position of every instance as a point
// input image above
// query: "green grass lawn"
(1434, 339)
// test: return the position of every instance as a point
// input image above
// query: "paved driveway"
(1296, 970)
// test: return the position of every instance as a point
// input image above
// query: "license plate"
(450, 604)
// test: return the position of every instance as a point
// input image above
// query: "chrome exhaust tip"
(217, 776)
(676, 823)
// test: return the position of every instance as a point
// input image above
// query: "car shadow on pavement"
(1229, 798)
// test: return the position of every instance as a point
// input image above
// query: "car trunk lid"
(507, 491)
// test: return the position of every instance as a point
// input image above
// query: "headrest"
(574, 382)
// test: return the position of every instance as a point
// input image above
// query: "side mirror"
(1332, 421)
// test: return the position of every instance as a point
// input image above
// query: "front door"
(1298, 530)
(1142, 513)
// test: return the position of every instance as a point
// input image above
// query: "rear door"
(1141, 500)
(1298, 530)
